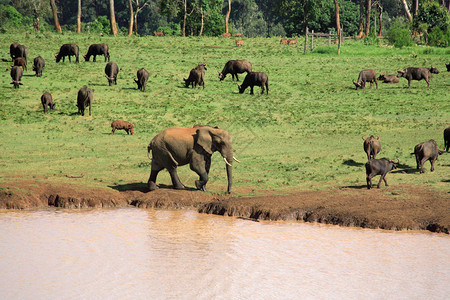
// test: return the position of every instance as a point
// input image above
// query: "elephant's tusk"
(226, 161)
(236, 159)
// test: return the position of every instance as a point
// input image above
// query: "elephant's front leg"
(201, 164)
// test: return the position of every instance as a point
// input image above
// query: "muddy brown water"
(131, 253)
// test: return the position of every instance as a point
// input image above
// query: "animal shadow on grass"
(29, 75)
(352, 163)
(403, 168)
(142, 187)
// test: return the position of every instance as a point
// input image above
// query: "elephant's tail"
(148, 150)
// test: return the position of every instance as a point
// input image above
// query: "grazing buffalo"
(252, 79)
(97, 49)
(388, 78)
(142, 75)
(372, 147)
(16, 75)
(84, 99)
(119, 124)
(158, 33)
(38, 66)
(448, 67)
(111, 71)
(447, 139)
(196, 76)
(17, 50)
(68, 50)
(283, 41)
(379, 167)
(47, 101)
(413, 73)
(20, 62)
(234, 67)
(366, 76)
(239, 43)
(426, 151)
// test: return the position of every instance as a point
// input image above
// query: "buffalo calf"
(426, 151)
(111, 71)
(196, 76)
(371, 146)
(47, 101)
(366, 76)
(381, 167)
(252, 79)
(16, 76)
(119, 124)
(388, 78)
(38, 65)
(142, 75)
(84, 99)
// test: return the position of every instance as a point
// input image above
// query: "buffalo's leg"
(428, 82)
(369, 180)
(237, 78)
(95, 58)
(422, 162)
(432, 164)
(409, 83)
(176, 180)
(381, 179)
(262, 89)
(376, 83)
(371, 83)
(251, 90)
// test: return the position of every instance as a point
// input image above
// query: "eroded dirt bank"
(396, 208)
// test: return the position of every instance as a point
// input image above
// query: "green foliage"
(9, 16)
(399, 35)
(172, 29)
(438, 38)
(433, 14)
(100, 25)
(372, 38)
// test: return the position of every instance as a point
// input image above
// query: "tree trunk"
(361, 20)
(184, 18)
(201, 28)
(55, 16)
(79, 17)
(338, 23)
(368, 7)
(415, 7)
(380, 18)
(130, 27)
(112, 18)
(227, 16)
(405, 7)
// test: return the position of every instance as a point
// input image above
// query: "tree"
(361, 19)
(380, 18)
(79, 17)
(139, 7)
(405, 7)
(112, 18)
(298, 14)
(130, 27)
(368, 7)
(415, 7)
(338, 23)
(227, 17)
(55, 16)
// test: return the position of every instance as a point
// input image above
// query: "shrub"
(172, 29)
(438, 38)
(9, 16)
(399, 35)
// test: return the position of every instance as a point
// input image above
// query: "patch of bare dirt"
(393, 208)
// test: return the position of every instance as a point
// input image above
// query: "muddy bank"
(396, 208)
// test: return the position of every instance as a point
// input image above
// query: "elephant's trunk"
(230, 177)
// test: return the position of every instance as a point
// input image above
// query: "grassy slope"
(305, 135)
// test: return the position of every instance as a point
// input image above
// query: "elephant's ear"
(204, 139)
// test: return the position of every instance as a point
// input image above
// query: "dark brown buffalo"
(119, 124)
(38, 66)
(379, 167)
(84, 99)
(68, 50)
(16, 76)
(142, 75)
(388, 78)
(17, 50)
(196, 76)
(21, 62)
(97, 49)
(252, 79)
(234, 67)
(447, 139)
(448, 67)
(47, 101)
(413, 73)
(366, 76)
(426, 151)
(372, 147)
(111, 71)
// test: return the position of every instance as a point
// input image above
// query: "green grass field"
(306, 134)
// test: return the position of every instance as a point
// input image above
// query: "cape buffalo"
(372, 147)
(379, 167)
(20, 62)
(16, 75)
(366, 76)
(234, 67)
(17, 50)
(426, 151)
(196, 76)
(448, 67)
(111, 71)
(119, 124)
(68, 50)
(47, 101)
(447, 139)
(38, 66)
(413, 73)
(84, 99)
(97, 49)
(142, 75)
(388, 78)
(252, 79)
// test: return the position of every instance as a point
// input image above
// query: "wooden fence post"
(329, 38)
(306, 41)
(312, 40)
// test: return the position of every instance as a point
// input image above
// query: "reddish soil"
(392, 208)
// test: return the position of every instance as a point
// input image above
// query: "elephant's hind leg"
(153, 174)
(176, 180)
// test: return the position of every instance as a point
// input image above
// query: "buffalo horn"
(363, 138)
(226, 161)
(401, 71)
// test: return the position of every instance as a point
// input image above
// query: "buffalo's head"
(86, 58)
(381, 77)
(357, 84)
(434, 70)
(221, 76)
(401, 73)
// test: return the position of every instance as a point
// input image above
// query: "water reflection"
(134, 253)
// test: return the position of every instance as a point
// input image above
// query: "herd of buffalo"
(423, 152)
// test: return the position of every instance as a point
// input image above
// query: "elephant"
(178, 146)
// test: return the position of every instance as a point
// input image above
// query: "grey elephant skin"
(178, 146)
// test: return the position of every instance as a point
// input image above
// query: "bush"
(438, 38)
(399, 35)
(172, 29)
(9, 16)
